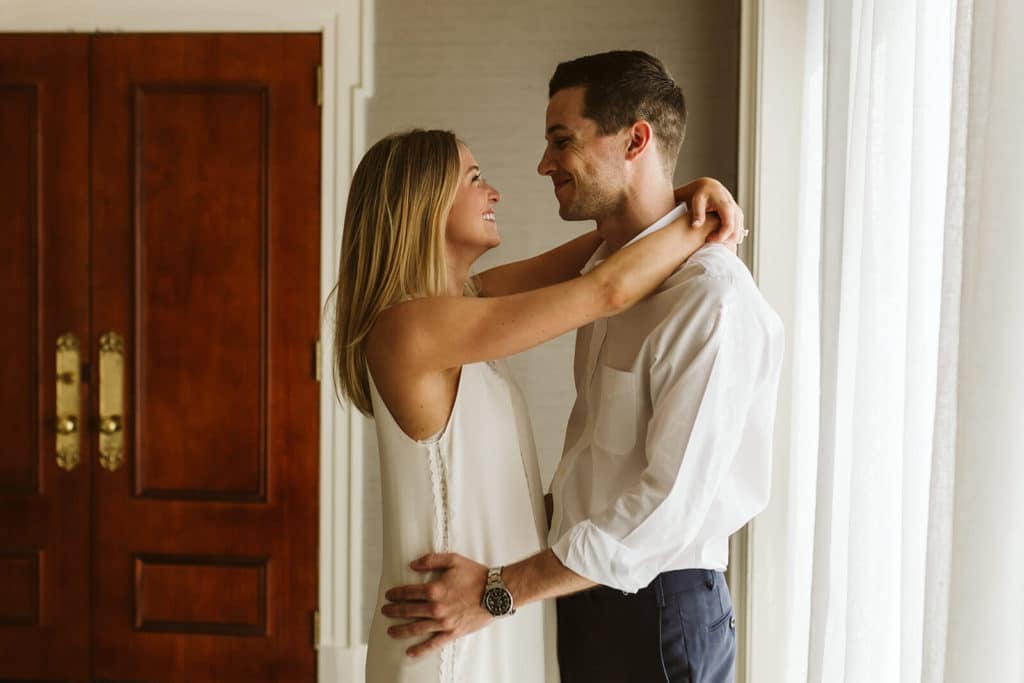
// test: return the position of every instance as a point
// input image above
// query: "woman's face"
(471, 223)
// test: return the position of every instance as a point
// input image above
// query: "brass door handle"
(67, 425)
(68, 402)
(110, 425)
(111, 401)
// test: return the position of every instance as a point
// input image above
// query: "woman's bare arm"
(562, 263)
(437, 333)
(565, 261)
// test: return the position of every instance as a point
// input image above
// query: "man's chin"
(569, 212)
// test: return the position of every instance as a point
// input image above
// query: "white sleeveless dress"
(476, 491)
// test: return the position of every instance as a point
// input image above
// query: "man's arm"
(450, 607)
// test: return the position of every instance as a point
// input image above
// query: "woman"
(415, 349)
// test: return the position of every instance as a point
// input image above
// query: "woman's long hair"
(393, 247)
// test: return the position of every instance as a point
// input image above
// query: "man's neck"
(639, 210)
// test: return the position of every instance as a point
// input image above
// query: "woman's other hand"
(707, 195)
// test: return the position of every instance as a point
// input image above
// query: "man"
(667, 451)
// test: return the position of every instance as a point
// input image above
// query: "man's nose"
(545, 167)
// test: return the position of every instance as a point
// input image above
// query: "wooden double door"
(159, 288)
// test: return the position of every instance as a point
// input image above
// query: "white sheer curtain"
(898, 510)
(976, 585)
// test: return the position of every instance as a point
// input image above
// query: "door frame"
(749, 193)
(346, 27)
(773, 44)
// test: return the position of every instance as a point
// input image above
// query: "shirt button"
(732, 623)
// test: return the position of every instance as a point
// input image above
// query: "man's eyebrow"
(557, 126)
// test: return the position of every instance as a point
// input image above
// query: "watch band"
(494, 577)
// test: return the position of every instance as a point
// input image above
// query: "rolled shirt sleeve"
(702, 388)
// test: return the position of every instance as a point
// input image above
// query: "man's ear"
(640, 136)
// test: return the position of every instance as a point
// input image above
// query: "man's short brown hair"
(623, 87)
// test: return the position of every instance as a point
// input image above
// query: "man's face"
(587, 168)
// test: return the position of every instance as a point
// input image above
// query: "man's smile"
(561, 183)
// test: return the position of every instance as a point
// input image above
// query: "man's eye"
(561, 142)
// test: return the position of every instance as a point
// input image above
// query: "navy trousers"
(679, 629)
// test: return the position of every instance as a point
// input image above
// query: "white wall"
(481, 68)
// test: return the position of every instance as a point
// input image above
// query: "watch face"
(498, 601)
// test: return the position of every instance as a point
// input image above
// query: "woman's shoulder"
(416, 399)
(394, 329)
(401, 322)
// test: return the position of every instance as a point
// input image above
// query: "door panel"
(202, 262)
(205, 251)
(44, 508)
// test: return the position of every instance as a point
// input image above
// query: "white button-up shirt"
(668, 447)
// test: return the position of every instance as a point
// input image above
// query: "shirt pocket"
(615, 429)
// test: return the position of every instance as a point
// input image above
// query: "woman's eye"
(476, 179)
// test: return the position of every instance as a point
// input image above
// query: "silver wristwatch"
(497, 598)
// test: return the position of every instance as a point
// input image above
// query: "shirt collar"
(603, 252)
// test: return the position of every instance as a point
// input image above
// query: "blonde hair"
(393, 245)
